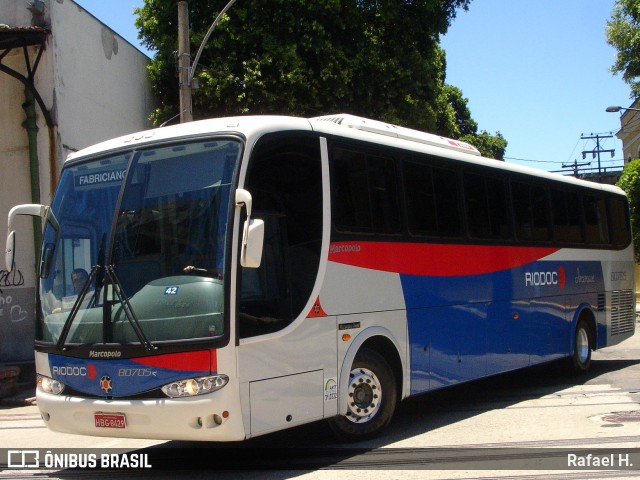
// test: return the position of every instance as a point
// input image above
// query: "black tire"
(582, 346)
(372, 398)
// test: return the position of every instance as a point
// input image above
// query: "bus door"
(284, 357)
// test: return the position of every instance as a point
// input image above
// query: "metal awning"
(23, 37)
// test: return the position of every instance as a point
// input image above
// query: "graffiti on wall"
(14, 278)
(17, 308)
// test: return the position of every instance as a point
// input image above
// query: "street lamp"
(186, 70)
(192, 70)
(614, 109)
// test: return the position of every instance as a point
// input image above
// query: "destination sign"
(100, 179)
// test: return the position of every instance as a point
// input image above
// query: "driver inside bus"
(78, 278)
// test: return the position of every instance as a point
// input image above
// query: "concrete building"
(66, 81)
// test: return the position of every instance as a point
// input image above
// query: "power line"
(529, 160)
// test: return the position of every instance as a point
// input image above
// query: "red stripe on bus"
(437, 260)
(200, 361)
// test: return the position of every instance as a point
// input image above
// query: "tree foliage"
(630, 182)
(490, 146)
(374, 58)
(623, 33)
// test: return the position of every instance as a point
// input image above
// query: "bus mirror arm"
(33, 209)
(252, 233)
(9, 253)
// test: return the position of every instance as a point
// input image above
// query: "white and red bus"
(227, 278)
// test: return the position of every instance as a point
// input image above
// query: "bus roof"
(341, 125)
(381, 128)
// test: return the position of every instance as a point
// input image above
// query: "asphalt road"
(523, 425)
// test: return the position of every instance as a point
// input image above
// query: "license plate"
(110, 420)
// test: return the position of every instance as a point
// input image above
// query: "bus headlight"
(195, 386)
(49, 385)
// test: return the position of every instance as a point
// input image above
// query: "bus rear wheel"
(581, 356)
(372, 398)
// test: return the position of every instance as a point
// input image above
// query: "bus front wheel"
(372, 398)
(581, 356)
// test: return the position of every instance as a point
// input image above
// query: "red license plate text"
(110, 420)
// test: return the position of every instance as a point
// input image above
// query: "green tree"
(623, 33)
(375, 58)
(630, 183)
(490, 146)
(455, 121)
(454, 115)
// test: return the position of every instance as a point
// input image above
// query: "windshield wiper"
(126, 307)
(124, 301)
(76, 307)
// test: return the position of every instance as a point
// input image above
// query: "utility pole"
(575, 166)
(184, 62)
(597, 150)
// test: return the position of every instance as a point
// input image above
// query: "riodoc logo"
(74, 371)
(546, 278)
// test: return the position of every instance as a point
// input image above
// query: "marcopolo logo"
(546, 278)
(105, 354)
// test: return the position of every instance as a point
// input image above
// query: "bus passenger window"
(365, 193)
(530, 212)
(432, 200)
(540, 210)
(421, 201)
(620, 227)
(446, 189)
(566, 209)
(595, 219)
(486, 204)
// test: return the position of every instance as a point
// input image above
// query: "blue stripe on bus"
(463, 328)
(114, 377)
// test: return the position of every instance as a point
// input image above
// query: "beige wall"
(630, 133)
(96, 87)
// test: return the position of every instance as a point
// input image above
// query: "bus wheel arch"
(583, 341)
(370, 387)
(388, 350)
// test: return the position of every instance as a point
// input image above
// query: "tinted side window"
(566, 209)
(595, 219)
(530, 212)
(285, 181)
(365, 192)
(486, 204)
(432, 200)
(540, 208)
(446, 189)
(498, 208)
(620, 227)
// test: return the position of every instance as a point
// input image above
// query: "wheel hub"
(582, 345)
(365, 394)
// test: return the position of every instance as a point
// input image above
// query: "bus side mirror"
(33, 209)
(252, 233)
(27, 209)
(251, 255)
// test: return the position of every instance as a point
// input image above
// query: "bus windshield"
(139, 256)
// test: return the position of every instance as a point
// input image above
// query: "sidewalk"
(24, 397)
(13, 391)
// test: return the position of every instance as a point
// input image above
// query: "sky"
(537, 71)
